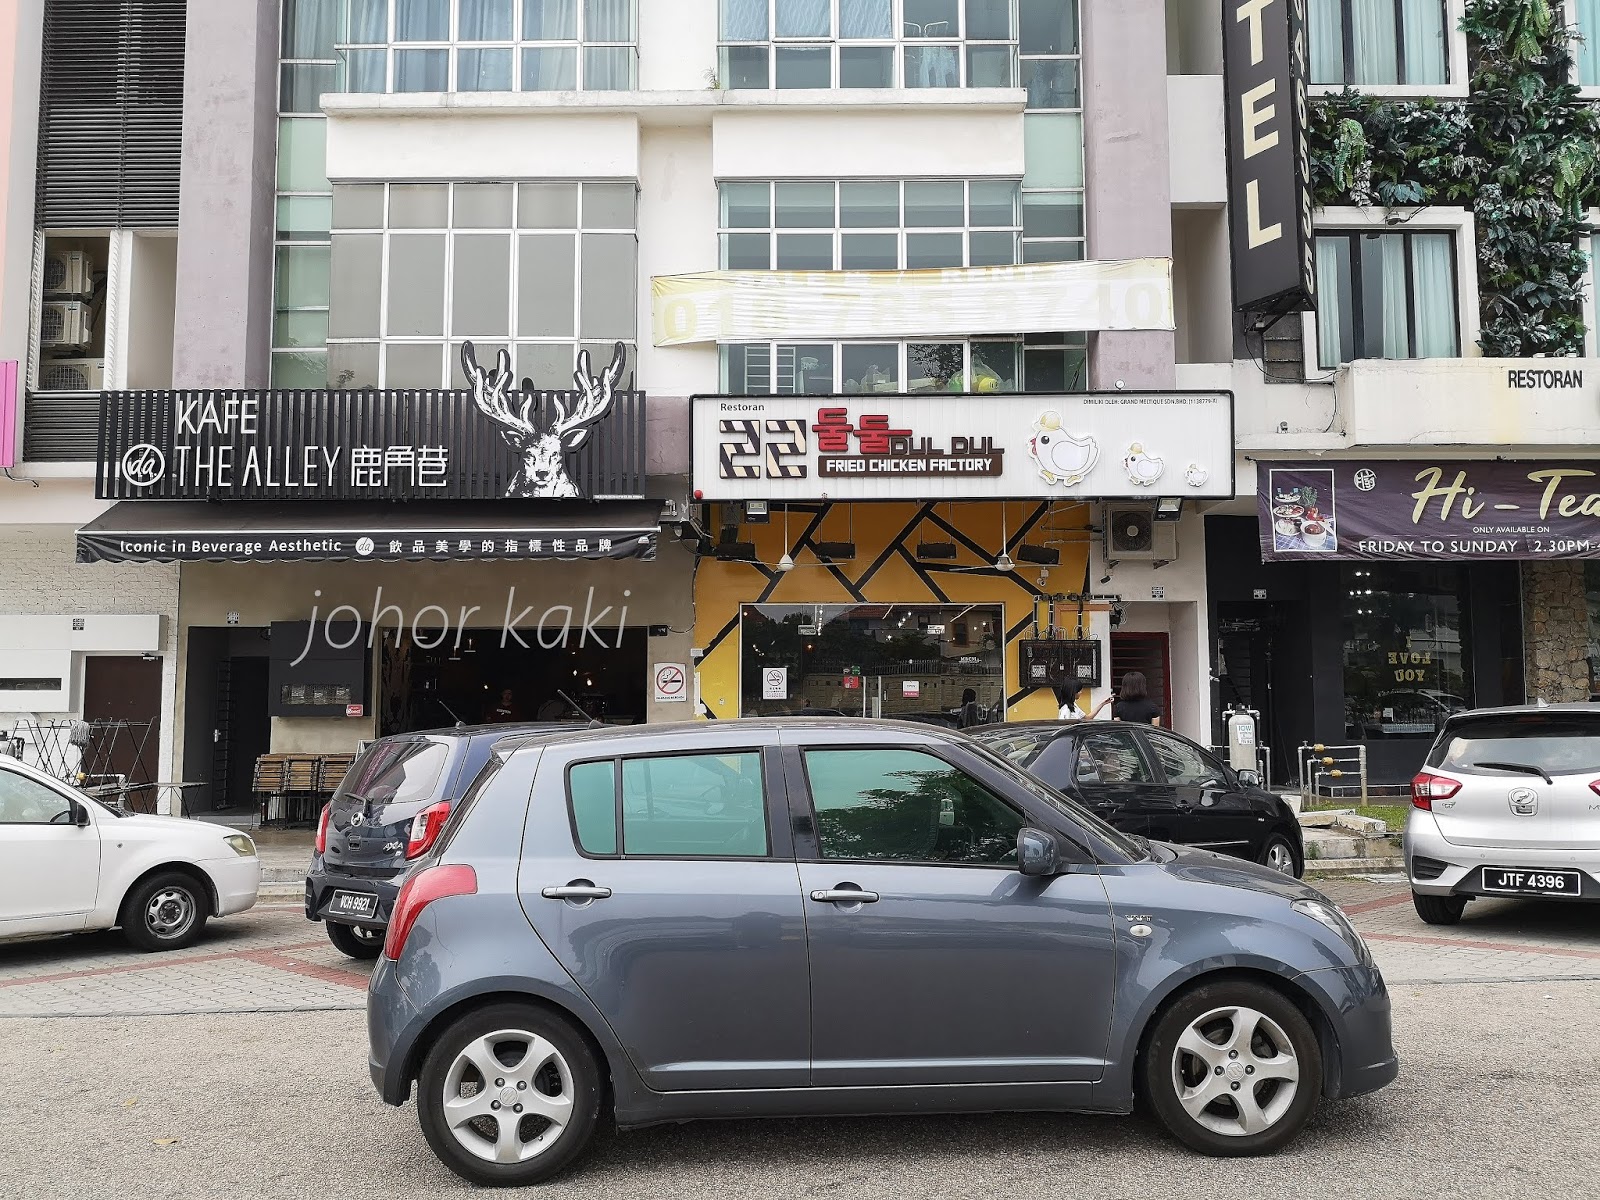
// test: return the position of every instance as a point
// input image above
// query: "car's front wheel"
(1233, 1068)
(356, 941)
(166, 912)
(1279, 854)
(509, 1095)
(1439, 910)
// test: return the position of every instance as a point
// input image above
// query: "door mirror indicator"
(1038, 853)
(1250, 779)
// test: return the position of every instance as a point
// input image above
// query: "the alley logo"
(144, 465)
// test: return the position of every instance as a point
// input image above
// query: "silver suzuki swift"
(819, 916)
(1507, 804)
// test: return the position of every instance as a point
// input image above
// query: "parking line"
(1382, 902)
(281, 961)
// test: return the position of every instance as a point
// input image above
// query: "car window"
(1020, 747)
(906, 806)
(1112, 756)
(25, 801)
(696, 805)
(1184, 765)
(403, 772)
(1561, 743)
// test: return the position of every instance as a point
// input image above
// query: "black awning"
(309, 531)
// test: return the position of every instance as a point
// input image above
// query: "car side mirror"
(1248, 778)
(1038, 853)
(80, 815)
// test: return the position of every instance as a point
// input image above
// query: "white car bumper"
(1461, 875)
(237, 880)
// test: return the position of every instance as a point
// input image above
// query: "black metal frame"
(1354, 238)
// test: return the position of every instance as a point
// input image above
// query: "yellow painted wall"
(884, 571)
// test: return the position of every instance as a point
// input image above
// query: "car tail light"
(1426, 788)
(322, 829)
(421, 890)
(425, 828)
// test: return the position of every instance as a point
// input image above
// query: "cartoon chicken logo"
(1143, 469)
(1061, 457)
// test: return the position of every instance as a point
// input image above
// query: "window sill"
(1394, 91)
(677, 103)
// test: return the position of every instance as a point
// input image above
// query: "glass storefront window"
(907, 661)
(1406, 665)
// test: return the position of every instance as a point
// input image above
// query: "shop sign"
(1265, 64)
(490, 442)
(1117, 445)
(1419, 509)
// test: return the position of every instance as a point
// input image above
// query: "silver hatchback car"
(1507, 804)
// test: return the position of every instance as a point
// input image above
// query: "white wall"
(456, 139)
(677, 45)
(148, 310)
(826, 143)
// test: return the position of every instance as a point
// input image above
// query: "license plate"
(1532, 883)
(354, 904)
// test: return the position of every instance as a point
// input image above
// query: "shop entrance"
(429, 681)
(226, 726)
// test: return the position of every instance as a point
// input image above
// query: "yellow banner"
(757, 306)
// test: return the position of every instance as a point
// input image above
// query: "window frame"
(1458, 221)
(808, 809)
(771, 786)
(1591, 306)
(1072, 341)
(1456, 68)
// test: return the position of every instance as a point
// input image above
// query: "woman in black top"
(1132, 702)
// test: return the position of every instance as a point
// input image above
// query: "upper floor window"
(1379, 42)
(1585, 14)
(1034, 362)
(491, 45)
(868, 43)
(1386, 295)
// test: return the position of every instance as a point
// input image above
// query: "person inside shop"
(970, 715)
(1132, 702)
(503, 712)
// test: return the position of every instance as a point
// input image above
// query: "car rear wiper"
(1520, 768)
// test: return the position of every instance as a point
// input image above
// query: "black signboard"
(490, 442)
(1266, 61)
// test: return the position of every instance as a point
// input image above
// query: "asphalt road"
(1497, 1096)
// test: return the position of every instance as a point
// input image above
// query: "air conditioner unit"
(68, 273)
(72, 375)
(66, 323)
(1134, 535)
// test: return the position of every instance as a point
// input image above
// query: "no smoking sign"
(671, 683)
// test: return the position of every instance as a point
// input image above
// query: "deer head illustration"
(543, 446)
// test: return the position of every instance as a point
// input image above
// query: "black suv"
(388, 811)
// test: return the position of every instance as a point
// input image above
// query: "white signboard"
(887, 446)
(911, 689)
(745, 306)
(775, 683)
(671, 683)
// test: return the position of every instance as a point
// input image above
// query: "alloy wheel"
(1235, 1071)
(1280, 858)
(508, 1096)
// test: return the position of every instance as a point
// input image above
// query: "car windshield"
(1558, 743)
(1118, 840)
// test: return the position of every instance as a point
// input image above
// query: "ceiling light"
(786, 563)
(1004, 563)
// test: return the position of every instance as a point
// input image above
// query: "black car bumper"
(323, 881)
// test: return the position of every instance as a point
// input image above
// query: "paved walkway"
(271, 959)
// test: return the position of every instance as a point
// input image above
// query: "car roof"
(1506, 710)
(1043, 726)
(715, 731)
(449, 732)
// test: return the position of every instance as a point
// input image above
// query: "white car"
(69, 864)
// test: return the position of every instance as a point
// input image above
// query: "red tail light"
(1426, 788)
(425, 828)
(322, 829)
(421, 890)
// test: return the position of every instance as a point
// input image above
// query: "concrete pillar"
(223, 330)
(21, 57)
(1127, 160)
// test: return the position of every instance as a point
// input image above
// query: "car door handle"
(844, 896)
(576, 891)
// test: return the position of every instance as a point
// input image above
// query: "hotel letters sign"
(1266, 62)
(1418, 509)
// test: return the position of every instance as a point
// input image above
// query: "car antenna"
(460, 724)
(582, 712)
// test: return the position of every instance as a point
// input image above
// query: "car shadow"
(109, 948)
(1531, 918)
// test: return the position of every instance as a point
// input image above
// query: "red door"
(122, 703)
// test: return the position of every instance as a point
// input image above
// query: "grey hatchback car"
(825, 916)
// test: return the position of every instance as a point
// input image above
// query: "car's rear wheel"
(166, 912)
(509, 1095)
(1233, 1068)
(1439, 910)
(1279, 854)
(357, 941)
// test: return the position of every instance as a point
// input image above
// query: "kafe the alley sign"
(487, 443)
(1421, 509)
(887, 446)
(1266, 60)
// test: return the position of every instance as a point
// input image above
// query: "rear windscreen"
(1020, 748)
(396, 772)
(1557, 743)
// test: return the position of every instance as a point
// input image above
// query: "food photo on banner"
(1484, 511)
